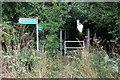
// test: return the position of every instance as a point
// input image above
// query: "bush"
(104, 65)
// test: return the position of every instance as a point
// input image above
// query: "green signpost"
(40, 27)
(32, 21)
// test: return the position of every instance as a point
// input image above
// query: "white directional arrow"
(27, 20)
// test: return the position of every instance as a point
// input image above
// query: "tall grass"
(26, 64)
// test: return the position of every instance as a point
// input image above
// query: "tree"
(101, 17)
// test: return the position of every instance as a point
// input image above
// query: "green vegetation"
(19, 40)
(100, 17)
(85, 65)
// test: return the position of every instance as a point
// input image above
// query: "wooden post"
(88, 41)
(64, 41)
(61, 40)
(64, 35)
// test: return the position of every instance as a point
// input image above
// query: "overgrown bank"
(26, 64)
(18, 42)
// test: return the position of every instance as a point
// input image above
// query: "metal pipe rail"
(65, 47)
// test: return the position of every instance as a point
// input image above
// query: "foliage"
(55, 15)
(30, 64)
(104, 63)
(24, 61)
(6, 37)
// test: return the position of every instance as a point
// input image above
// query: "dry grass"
(79, 66)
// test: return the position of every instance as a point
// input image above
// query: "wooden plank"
(61, 40)
(88, 37)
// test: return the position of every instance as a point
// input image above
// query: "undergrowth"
(29, 63)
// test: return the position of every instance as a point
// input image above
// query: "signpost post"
(31, 21)
(37, 33)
